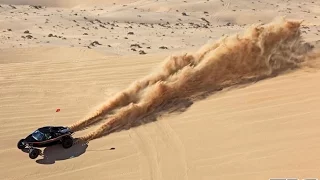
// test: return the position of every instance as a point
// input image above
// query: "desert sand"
(162, 89)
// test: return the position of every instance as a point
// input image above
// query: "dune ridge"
(262, 51)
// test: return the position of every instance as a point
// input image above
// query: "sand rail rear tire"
(67, 142)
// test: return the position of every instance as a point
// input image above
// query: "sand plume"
(262, 51)
(169, 67)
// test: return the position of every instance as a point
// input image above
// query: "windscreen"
(38, 135)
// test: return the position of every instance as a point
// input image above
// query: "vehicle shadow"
(57, 153)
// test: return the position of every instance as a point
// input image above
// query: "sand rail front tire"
(34, 153)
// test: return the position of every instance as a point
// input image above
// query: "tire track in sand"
(161, 151)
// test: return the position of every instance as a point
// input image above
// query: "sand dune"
(67, 4)
(177, 92)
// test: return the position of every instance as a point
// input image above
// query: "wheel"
(20, 144)
(67, 142)
(34, 153)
